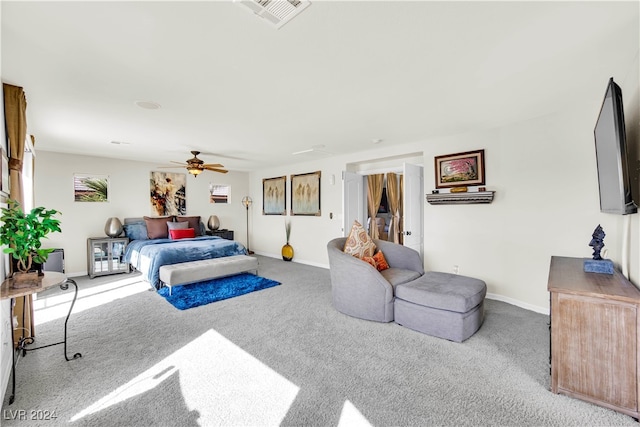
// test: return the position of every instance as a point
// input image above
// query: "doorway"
(410, 215)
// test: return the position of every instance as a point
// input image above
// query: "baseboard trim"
(314, 264)
(496, 297)
(519, 303)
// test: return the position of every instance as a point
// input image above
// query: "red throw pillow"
(185, 233)
(381, 262)
(194, 222)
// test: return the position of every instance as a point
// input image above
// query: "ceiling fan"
(195, 166)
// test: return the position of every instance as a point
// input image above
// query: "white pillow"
(178, 225)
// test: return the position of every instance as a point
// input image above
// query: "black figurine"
(597, 242)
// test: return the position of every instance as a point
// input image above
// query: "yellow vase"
(287, 252)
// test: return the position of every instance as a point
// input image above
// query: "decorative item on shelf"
(459, 190)
(22, 234)
(246, 202)
(287, 249)
(113, 227)
(213, 223)
(598, 264)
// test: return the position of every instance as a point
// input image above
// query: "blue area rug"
(196, 294)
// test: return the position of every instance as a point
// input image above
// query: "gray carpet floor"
(282, 356)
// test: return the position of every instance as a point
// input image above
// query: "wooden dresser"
(595, 322)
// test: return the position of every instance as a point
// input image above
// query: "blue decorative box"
(604, 266)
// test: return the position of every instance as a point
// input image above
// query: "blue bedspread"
(147, 256)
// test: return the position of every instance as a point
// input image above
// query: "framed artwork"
(460, 169)
(219, 193)
(305, 194)
(168, 193)
(90, 188)
(274, 192)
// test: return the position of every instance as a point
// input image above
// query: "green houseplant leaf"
(23, 233)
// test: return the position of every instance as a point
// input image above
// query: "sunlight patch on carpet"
(234, 389)
(53, 304)
(351, 417)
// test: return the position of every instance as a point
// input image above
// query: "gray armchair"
(358, 289)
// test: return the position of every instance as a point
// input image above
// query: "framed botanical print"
(305, 194)
(274, 192)
(90, 188)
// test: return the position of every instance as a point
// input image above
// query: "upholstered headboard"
(135, 228)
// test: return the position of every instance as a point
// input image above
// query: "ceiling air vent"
(275, 12)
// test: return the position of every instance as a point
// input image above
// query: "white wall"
(546, 203)
(128, 197)
(543, 171)
(309, 234)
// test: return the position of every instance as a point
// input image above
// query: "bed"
(147, 255)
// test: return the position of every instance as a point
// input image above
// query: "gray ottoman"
(443, 305)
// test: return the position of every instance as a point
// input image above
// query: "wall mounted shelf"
(460, 198)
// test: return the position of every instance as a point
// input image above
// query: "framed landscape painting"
(305, 194)
(219, 193)
(274, 192)
(460, 169)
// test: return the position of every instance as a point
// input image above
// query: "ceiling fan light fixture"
(195, 171)
(195, 166)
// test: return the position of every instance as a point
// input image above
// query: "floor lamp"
(246, 201)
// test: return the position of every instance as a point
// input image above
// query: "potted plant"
(23, 233)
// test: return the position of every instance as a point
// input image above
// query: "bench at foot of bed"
(206, 269)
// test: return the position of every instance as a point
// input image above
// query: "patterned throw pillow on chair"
(358, 243)
(380, 260)
(371, 261)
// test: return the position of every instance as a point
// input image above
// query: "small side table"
(48, 280)
(225, 234)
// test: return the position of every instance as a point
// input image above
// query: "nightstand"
(225, 234)
(105, 255)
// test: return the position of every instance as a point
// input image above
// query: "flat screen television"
(611, 155)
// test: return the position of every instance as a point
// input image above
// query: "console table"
(8, 291)
(595, 322)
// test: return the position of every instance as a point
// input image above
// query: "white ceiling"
(338, 75)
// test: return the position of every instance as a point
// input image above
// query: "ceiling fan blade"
(213, 165)
(216, 169)
(206, 153)
(177, 163)
(173, 167)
